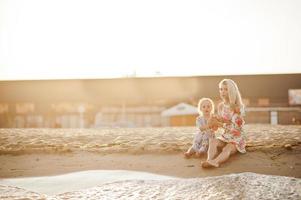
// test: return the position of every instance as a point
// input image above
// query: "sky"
(70, 39)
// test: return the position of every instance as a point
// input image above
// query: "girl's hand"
(214, 128)
(217, 117)
(213, 123)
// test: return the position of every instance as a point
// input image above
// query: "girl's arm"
(214, 122)
(204, 127)
(201, 124)
(220, 124)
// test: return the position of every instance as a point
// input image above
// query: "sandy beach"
(30, 153)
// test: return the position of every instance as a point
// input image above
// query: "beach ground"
(274, 150)
(284, 163)
(29, 153)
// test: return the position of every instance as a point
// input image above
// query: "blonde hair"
(233, 92)
(201, 101)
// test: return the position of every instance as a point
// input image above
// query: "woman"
(230, 112)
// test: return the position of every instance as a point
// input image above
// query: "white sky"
(57, 39)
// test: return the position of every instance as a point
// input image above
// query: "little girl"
(230, 117)
(201, 138)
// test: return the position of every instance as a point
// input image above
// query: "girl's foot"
(209, 163)
(188, 154)
(198, 154)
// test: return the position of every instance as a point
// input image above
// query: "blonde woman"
(230, 118)
(204, 132)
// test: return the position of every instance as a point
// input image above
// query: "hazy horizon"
(122, 77)
(46, 40)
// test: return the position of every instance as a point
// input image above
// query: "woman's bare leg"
(228, 150)
(212, 149)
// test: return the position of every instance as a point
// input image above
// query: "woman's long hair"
(233, 92)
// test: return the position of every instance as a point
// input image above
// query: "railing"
(273, 111)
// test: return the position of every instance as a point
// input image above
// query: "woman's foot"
(213, 163)
(205, 164)
(209, 163)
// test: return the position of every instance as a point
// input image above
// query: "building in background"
(134, 116)
(181, 114)
(139, 102)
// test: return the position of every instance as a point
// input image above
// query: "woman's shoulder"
(220, 105)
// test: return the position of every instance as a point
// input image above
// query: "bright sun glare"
(101, 39)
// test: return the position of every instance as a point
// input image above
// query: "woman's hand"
(235, 108)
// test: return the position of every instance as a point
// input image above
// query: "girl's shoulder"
(200, 118)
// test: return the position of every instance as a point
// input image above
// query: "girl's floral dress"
(233, 132)
(201, 138)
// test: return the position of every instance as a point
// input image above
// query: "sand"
(132, 140)
(29, 165)
(48, 153)
(233, 186)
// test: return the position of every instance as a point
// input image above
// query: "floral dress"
(233, 132)
(201, 138)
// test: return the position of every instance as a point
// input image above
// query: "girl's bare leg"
(228, 150)
(189, 153)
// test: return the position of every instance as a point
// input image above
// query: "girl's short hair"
(201, 101)
(233, 92)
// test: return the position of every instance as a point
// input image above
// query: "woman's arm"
(219, 114)
(238, 120)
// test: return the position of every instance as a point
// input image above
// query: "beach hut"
(182, 114)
